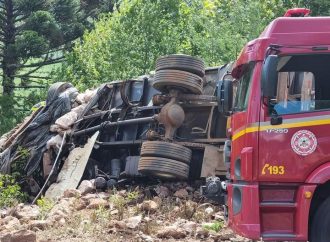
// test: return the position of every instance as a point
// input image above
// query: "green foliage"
(216, 226)
(127, 42)
(9, 116)
(35, 34)
(30, 44)
(45, 206)
(10, 192)
(319, 7)
(119, 203)
(132, 196)
(21, 158)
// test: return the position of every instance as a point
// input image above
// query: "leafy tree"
(318, 7)
(9, 116)
(35, 34)
(127, 42)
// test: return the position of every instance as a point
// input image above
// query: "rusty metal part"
(160, 99)
(172, 116)
(163, 168)
(166, 150)
(181, 62)
(191, 144)
(165, 80)
(152, 135)
(192, 97)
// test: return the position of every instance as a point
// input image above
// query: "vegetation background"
(88, 42)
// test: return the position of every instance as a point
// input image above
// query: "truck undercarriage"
(163, 126)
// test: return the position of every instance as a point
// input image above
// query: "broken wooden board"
(213, 164)
(7, 139)
(72, 170)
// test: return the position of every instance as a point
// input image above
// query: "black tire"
(187, 82)
(320, 231)
(163, 168)
(182, 63)
(166, 150)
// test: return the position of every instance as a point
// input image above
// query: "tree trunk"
(10, 60)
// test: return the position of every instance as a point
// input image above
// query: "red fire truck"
(278, 151)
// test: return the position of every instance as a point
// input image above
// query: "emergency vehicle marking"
(273, 170)
(277, 131)
(303, 142)
(289, 123)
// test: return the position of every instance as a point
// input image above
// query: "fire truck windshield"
(303, 84)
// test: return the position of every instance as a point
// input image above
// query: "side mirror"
(269, 76)
(225, 96)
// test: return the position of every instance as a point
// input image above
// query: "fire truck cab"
(278, 147)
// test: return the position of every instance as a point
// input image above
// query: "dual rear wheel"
(181, 72)
(165, 160)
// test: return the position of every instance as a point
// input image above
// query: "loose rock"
(27, 212)
(133, 222)
(162, 191)
(10, 223)
(72, 193)
(117, 224)
(23, 236)
(39, 224)
(80, 204)
(146, 238)
(149, 206)
(171, 232)
(182, 193)
(97, 203)
(202, 233)
(190, 227)
(224, 235)
(85, 187)
(209, 210)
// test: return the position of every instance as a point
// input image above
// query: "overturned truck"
(167, 125)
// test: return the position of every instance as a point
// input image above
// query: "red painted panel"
(277, 194)
(277, 221)
(246, 222)
(320, 175)
(297, 167)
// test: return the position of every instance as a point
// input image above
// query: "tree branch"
(30, 76)
(44, 63)
(27, 87)
(22, 18)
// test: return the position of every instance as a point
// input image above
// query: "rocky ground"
(163, 212)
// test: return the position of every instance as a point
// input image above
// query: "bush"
(10, 192)
(216, 226)
(120, 48)
(45, 206)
